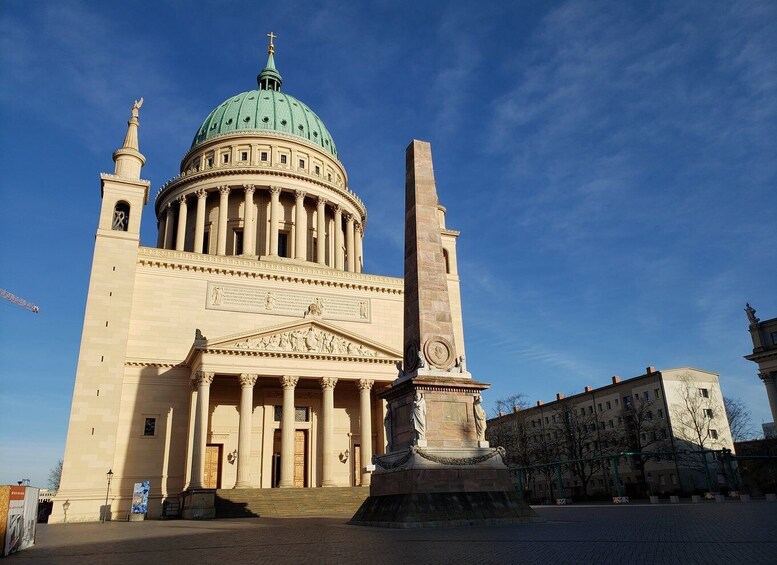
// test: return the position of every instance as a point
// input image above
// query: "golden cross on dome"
(271, 48)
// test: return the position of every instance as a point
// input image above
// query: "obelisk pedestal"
(440, 471)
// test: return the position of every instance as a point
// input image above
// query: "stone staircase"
(289, 502)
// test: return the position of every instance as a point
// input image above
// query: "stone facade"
(246, 350)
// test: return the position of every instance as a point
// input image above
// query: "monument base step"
(444, 509)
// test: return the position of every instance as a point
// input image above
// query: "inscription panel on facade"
(259, 300)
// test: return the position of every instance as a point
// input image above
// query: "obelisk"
(440, 470)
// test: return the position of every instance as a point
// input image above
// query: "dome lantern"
(270, 78)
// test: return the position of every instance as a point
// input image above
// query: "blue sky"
(612, 167)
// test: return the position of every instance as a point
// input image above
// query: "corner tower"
(90, 451)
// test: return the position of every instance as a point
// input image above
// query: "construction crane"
(20, 301)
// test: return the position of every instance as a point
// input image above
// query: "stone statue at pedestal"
(418, 417)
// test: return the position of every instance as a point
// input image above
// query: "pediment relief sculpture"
(307, 340)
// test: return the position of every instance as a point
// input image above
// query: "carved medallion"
(439, 352)
(411, 356)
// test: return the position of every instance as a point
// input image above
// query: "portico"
(252, 426)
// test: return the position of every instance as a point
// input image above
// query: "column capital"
(275, 189)
(169, 207)
(321, 201)
(181, 199)
(365, 384)
(328, 383)
(299, 194)
(203, 377)
(289, 382)
(248, 380)
(249, 188)
(337, 209)
(359, 228)
(348, 217)
(224, 189)
(202, 194)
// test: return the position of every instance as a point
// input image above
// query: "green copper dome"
(266, 109)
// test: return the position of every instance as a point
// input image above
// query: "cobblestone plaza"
(704, 533)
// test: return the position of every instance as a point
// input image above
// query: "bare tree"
(508, 404)
(643, 430)
(55, 475)
(738, 419)
(695, 418)
(579, 440)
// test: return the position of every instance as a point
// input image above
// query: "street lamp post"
(107, 493)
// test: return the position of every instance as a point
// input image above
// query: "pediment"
(305, 338)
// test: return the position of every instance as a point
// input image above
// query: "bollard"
(695, 498)
(674, 499)
(653, 500)
(744, 497)
(720, 498)
(771, 497)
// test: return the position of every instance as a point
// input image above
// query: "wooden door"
(212, 477)
(300, 458)
(357, 465)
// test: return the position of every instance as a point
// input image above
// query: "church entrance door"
(212, 477)
(300, 458)
(357, 465)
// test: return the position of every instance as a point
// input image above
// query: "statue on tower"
(136, 107)
(750, 311)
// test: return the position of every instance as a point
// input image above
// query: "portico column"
(287, 432)
(301, 225)
(328, 424)
(365, 427)
(190, 437)
(180, 238)
(359, 248)
(199, 224)
(249, 229)
(349, 246)
(771, 391)
(169, 226)
(275, 198)
(321, 231)
(247, 382)
(204, 381)
(338, 238)
(221, 248)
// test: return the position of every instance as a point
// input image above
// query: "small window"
(714, 434)
(547, 421)
(704, 393)
(225, 158)
(591, 409)
(263, 156)
(609, 405)
(238, 242)
(649, 415)
(329, 177)
(301, 414)
(656, 392)
(283, 239)
(774, 338)
(120, 220)
(661, 413)
(636, 396)
(283, 159)
(206, 242)
(301, 163)
(627, 402)
(708, 412)
(209, 162)
(599, 406)
(244, 155)
(616, 402)
(318, 172)
(149, 427)
(611, 424)
(582, 411)
(647, 396)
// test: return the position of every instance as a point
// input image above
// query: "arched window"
(447, 261)
(121, 216)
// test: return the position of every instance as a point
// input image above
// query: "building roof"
(266, 109)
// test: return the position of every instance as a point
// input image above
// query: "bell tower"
(94, 415)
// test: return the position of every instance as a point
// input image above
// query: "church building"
(248, 347)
